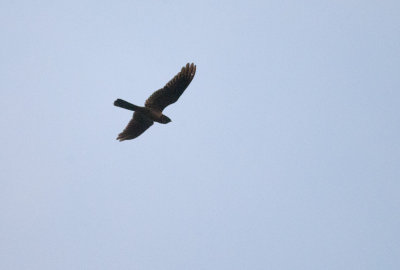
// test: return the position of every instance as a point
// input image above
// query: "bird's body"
(144, 117)
(154, 115)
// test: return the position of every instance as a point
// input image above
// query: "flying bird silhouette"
(144, 117)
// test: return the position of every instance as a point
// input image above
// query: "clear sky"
(283, 153)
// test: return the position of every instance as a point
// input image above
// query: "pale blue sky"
(283, 153)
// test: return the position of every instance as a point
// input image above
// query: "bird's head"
(165, 119)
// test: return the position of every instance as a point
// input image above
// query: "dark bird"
(144, 117)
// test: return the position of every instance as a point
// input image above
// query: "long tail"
(125, 104)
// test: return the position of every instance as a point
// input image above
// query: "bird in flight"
(144, 117)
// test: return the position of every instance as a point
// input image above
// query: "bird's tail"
(125, 104)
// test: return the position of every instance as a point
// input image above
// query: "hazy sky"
(283, 153)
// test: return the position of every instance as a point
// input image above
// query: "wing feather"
(136, 126)
(171, 92)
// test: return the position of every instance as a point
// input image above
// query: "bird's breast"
(154, 115)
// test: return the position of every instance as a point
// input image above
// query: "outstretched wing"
(172, 90)
(138, 124)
